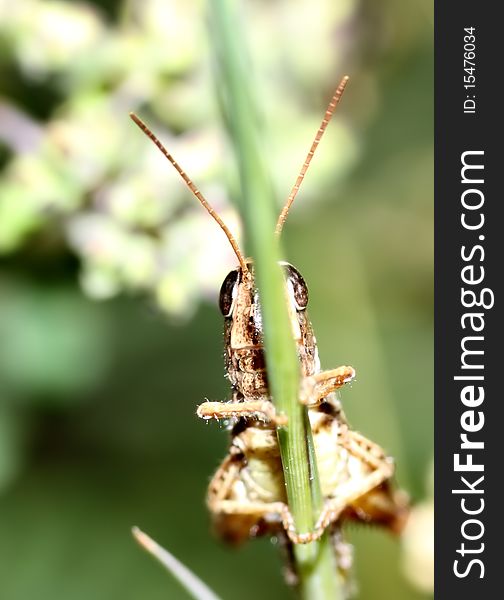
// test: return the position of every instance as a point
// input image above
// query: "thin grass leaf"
(315, 562)
(189, 581)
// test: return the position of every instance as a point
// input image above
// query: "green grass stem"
(316, 563)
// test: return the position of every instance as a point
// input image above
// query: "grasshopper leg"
(348, 493)
(315, 388)
(381, 505)
(235, 516)
(258, 409)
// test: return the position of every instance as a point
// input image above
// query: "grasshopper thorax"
(240, 305)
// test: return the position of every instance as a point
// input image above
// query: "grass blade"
(192, 584)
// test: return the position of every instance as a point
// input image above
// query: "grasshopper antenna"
(325, 121)
(194, 190)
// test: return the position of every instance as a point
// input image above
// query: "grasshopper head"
(240, 305)
(239, 302)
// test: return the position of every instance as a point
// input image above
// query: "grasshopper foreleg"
(257, 409)
(315, 388)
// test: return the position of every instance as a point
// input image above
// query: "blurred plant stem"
(315, 562)
(187, 579)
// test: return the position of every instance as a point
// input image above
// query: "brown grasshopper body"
(247, 494)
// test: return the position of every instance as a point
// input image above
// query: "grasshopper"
(246, 496)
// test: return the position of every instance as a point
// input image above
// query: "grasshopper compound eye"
(298, 290)
(228, 292)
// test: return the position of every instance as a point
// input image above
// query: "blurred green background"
(109, 331)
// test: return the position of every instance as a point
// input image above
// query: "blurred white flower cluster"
(418, 542)
(82, 173)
